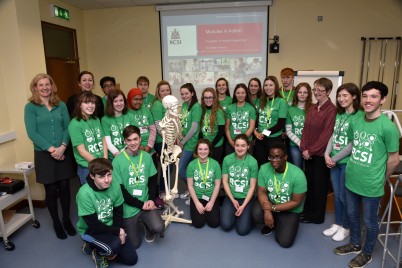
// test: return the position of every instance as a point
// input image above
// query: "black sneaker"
(149, 236)
(348, 249)
(266, 230)
(360, 261)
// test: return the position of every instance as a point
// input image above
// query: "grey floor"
(184, 246)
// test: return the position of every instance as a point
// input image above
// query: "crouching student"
(135, 171)
(204, 181)
(239, 178)
(100, 212)
(281, 190)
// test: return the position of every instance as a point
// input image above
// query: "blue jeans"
(370, 209)
(243, 223)
(296, 156)
(185, 159)
(338, 185)
(82, 172)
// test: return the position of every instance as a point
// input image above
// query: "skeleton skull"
(171, 103)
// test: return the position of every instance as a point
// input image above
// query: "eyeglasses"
(208, 98)
(319, 90)
(275, 158)
(108, 85)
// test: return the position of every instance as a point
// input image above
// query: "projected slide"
(200, 48)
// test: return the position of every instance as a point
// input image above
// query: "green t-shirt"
(255, 103)
(372, 141)
(99, 202)
(147, 102)
(226, 102)
(288, 95)
(296, 117)
(143, 119)
(187, 118)
(206, 129)
(340, 135)
(239, 173)
(158, 112)
(268, 117)
(133, 174)
(204, 184)
(88, 132)
(104, 101)
(240, 118)
(280, 187)
(113, 126)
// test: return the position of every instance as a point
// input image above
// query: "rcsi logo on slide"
(182, 40)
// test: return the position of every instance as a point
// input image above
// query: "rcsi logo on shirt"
(199, 182)
(298, 122)
(104, 209)
(239, 176)
(240, 120)
(363, 147)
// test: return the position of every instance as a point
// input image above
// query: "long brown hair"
(264, 96)
(113, 94)
(309, 100)
(354, 91)
(87, 96)
(214, 109)
(35, 98)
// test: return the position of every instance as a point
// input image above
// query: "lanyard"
(278, 184)
(283, 94)
(184, 117)
(136, 171)
(207, 120)
(269, 110)
(204, 176)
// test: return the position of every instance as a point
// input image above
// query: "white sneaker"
(187, 202)
(331, 230)
(185, 195)
(341, 234)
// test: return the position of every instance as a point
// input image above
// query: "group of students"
(236, 144)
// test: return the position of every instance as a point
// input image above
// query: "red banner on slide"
(230, 38)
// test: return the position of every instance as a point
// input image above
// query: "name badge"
(266, 132)
(237, 131)
(143, 130)
(239, 189)
(137, 192)
(337, 146)
(206, 198)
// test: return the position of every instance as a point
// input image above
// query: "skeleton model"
(171, 131)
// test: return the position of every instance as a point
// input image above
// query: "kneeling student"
(100, 211)
(281, 190)
(204, 182)
(135, 171)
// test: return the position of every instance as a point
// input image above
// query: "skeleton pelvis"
(176, 151)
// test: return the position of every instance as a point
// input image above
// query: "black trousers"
(317, 175)
(286, 224)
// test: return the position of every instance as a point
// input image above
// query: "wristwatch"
(273, 208)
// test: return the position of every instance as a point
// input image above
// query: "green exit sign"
(59, 12)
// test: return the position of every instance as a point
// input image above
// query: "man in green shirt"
(100, 217)
(281, 188)
(375, 145)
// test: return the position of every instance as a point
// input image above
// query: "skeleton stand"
(170, 129)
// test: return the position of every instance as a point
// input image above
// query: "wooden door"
(65, 73)
(62, 61)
